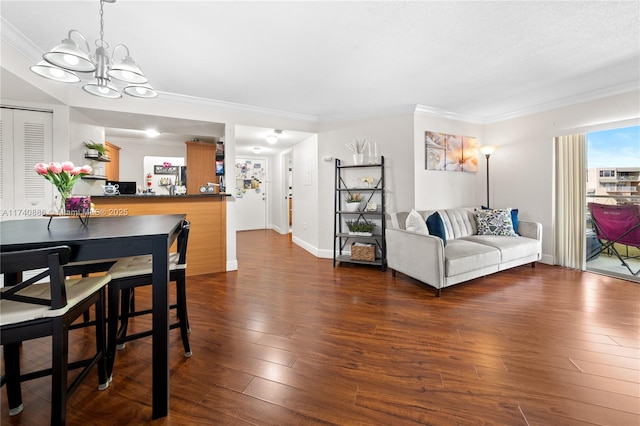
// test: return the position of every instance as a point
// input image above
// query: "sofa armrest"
(416, 255)
(530, 229)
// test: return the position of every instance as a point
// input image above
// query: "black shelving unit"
(375, 192)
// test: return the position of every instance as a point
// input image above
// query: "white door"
(250, 194)
(25, 140)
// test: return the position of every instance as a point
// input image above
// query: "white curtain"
(570, 219)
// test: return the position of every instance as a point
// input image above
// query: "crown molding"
(231, 106)
(440, 113)
(383, 112)
(565, 102)
(12, 36)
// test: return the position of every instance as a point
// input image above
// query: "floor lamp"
(487, 151)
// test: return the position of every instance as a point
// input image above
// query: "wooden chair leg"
(103, 378)
(181, 295)
(126, 306)
(60, 350)
(112, 326)
(11, 354)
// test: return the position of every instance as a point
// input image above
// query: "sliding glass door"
(612, 243)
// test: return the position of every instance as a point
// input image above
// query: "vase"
(358, 159)
(352, 207)
(61, 204)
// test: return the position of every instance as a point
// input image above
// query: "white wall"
(305, 195)
(276, 194)
(79, 133)
(522, 168)
(446, 189)
(394, 137)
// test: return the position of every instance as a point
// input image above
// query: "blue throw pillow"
(436, 227)
(514, 218)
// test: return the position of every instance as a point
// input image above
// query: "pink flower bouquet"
(63, 176)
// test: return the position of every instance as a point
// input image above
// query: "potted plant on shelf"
(95, 150)
(360, 227)
(352, 201)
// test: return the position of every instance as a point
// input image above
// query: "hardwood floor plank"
(256, 411)
(333, 410)
(550, 387)
(290, 340)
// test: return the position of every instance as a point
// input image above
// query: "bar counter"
(207, 249)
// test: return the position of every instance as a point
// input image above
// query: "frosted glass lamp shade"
(107, 90)
(126, 70)
(68, 55)
(140, 91)
(46, 70)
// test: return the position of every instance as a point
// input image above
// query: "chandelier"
(65, 60)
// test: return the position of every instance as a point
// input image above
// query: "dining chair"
(34, 308)
(617, 225)
(136, 271)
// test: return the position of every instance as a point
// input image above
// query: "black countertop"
(151, 197)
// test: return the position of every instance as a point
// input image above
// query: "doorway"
(613, 178)
(251, 194)
(287, 161)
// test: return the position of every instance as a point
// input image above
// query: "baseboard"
(547, 259)
(232, 265)
(308, 247)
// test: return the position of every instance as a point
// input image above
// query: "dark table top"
(33, 233)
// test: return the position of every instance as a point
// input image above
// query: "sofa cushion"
(415, 223)
(510, 248)
(436, 227)
(463, 256)
(495, 222)
(458, 222)
(514, 218)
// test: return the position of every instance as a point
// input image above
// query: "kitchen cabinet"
(112, 169)
(201, 165)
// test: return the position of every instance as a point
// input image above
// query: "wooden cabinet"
(207, 214)
(112, 169)
(201, 165)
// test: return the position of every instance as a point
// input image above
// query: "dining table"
(108, 238)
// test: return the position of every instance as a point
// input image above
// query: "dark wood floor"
(289, 340)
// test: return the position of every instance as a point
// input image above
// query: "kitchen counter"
(207, 249)
(138, 196)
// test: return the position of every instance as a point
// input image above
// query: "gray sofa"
(465, 256)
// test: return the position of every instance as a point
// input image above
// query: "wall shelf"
(98, 158)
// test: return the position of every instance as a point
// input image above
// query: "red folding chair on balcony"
(617, 225)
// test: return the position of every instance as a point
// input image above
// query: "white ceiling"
(475, 58)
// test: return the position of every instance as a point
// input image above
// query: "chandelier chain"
(102, 42)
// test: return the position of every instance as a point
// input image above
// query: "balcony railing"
(614, 199)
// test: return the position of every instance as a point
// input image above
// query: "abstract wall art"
(450, 152)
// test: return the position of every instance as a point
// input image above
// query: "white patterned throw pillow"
(416, 223)
(495, 222)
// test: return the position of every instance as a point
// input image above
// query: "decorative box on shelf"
(78, 205)
(365, 252)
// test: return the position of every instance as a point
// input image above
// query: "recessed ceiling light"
(151, 133)
(273, 137)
